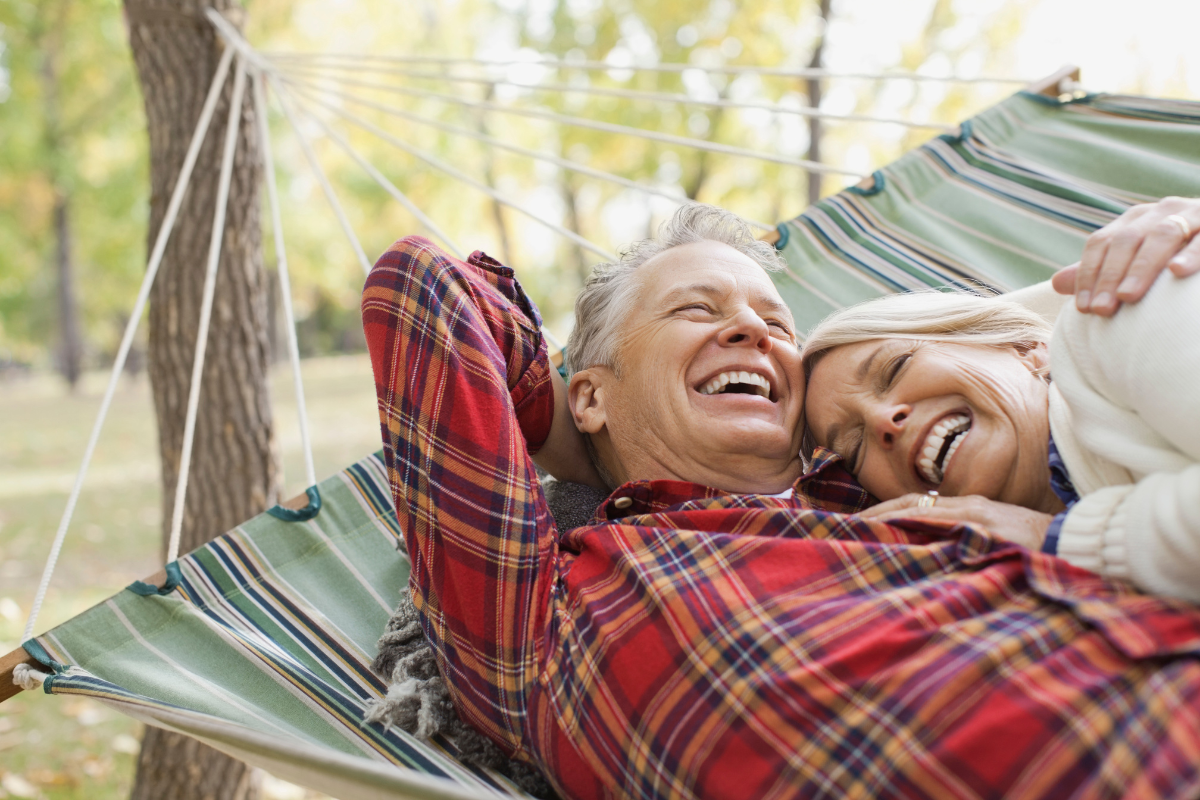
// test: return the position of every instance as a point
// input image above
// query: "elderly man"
(725, 627)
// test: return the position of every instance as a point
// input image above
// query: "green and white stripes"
(998, 207)
(268, 642)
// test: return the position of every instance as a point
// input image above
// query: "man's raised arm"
(465, 393)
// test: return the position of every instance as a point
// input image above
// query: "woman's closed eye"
(893, 369)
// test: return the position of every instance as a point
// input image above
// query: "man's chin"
(749, 437)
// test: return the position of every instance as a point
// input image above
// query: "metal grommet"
(623, 503)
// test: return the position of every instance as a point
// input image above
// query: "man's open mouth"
(940, 446)
(737, 382)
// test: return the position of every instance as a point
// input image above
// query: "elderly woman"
(1082, 440)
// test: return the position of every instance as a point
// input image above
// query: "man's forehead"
(706, 267)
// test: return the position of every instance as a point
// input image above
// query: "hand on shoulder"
(1121, 261)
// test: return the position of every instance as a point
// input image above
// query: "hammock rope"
(442, 166)
(596, 125)
(492, 141)
(156, 256)
(285, 284)
(629, 94)
(567, 63)
(323, 179)
(206, 304)
(383, 182)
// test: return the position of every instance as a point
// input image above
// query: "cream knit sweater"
(1125, 415)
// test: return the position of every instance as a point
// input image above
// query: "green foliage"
(89, 141)
(73, 124)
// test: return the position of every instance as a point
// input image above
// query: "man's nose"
(747, 329)
(888, 422)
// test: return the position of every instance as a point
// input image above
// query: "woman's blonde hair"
(927, 315)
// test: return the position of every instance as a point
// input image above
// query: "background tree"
(233, 469)
(72, 182)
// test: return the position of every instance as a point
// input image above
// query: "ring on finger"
(927, 500)
(1184, 227)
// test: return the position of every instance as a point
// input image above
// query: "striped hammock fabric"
(262, 649)
(1000, 206)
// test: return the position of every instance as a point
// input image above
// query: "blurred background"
(74, 194)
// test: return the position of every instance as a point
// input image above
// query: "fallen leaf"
(17, 786)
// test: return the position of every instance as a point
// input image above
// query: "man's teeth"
(939, 448)
(717, 385)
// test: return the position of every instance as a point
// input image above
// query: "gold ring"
(1184, 227)
(926, 500)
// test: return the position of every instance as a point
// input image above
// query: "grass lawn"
(59, 748)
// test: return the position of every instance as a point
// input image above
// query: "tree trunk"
(68, 308)
(233, 471)
(814, 102)
(47, 32)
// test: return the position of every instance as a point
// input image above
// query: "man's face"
(710, 388)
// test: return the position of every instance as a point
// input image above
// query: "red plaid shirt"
(702, 644)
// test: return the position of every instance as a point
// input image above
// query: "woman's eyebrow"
(864, 368)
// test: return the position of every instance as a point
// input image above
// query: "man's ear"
(1035, 356)
(586, 394)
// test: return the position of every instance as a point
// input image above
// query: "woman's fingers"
(1063, 281)
(1119, 254)
(1094, 251)
(1187, 262)
(1123, 259)
(1013, 523)
(919, 505)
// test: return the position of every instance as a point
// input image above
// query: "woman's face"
(909, 416)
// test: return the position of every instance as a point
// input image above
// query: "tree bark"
(68, 307)
(48, 33)
(233, 470)
(814, 102)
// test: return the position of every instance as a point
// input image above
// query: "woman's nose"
(888, 423)
(747, 329)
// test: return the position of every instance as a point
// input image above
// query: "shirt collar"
(826, 486)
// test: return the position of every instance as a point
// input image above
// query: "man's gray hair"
(612, 290)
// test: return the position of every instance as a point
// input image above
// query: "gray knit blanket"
(417, 700)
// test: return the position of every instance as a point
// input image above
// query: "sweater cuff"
(1050, 543)
(1092, 533)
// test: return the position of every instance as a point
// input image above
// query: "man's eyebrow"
(766, 301)
(773, 304)
(691, 289)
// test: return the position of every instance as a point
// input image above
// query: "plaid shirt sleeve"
(464, 394)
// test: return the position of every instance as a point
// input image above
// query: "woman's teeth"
(939, 448)
(745, 382)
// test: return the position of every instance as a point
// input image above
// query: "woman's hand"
(1121, 260)
(1012, 523)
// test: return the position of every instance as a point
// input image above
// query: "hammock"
(259, 643)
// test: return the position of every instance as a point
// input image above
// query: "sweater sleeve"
(1130, 384)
